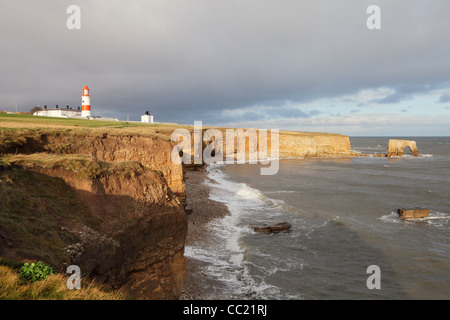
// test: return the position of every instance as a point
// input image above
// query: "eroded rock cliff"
(111, 146)
(298, 144)
(137, 242)
(290, 144)
(129, 188)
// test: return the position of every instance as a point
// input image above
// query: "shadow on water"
(326, 262)
(337, 261)
(322, 257)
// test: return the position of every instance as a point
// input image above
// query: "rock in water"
(276, 227)
(396, 147)
(413, 213)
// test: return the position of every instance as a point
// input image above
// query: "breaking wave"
(227, 258)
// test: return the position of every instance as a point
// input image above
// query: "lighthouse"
(85, 103)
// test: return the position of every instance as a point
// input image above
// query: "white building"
(59, 113)
(68, 113)
(147, 118)
(85, 111)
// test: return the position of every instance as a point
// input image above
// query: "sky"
(276, 64)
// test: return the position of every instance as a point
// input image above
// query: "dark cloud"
(393, 98)
(406, 92)
(444, 98)
(265, 113)
(191, 60)
(252, 116)
(355, 111)
(287, 112)
(249, 116)
(314, 112)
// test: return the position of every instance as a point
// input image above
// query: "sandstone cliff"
(298, 144)
(137, 240)
(105, 145)
(291, 144)
(137, 243)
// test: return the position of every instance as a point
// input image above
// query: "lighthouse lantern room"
(86, 103)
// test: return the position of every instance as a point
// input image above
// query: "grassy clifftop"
(19, 122)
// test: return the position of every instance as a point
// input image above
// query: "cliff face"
(314, 145)
(291, 144)
(133, 192)
(152, 153)
(137, 242)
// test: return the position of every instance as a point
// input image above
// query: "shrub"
(32, 272)
(52, 288)
(35, 109)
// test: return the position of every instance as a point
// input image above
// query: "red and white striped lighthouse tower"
(85, 103)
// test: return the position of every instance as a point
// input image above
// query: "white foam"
(222, 184)
(233, 243)
(411, 157)
(236, 194)
(226, 256)
(436, 218)
(393, 217)
(237, 259)
(283, 191)
(248, 193)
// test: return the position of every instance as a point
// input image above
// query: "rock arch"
(396, 147)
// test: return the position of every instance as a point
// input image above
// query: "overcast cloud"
(298, 65)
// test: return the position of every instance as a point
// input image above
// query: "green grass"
(52, 288)
(12, 264)
(19, 126)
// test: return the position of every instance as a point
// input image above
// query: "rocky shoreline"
(204, 210)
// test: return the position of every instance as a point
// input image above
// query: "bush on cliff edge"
(52, 288)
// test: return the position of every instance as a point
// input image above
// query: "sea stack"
(396, 147)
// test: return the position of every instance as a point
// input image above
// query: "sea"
(346, 240)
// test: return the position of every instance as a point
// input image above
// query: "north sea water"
(343, 215)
